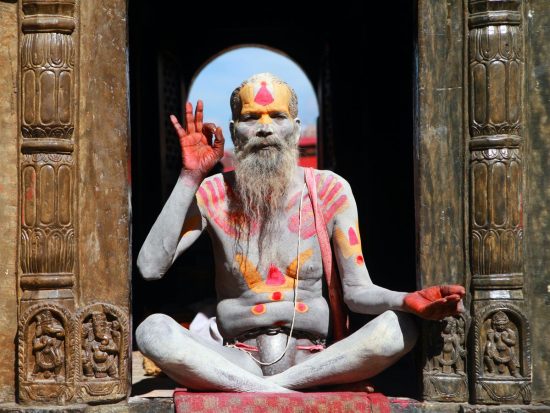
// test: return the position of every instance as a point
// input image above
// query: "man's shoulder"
(328, 177)
(214, 189)
(221, 178)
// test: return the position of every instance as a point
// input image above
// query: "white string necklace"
(289, 337)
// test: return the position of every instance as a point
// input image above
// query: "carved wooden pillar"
(501, 370)
(68, 351)
(48, 103)
(47, 249)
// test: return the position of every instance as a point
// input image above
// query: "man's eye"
(247, 117)
(278, 115)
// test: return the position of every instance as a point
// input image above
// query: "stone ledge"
(166, 405)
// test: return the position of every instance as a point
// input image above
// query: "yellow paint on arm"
(350, 242)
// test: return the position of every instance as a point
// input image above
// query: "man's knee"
(151, 332)
(400, 333)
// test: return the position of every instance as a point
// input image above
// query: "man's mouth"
(265, 147)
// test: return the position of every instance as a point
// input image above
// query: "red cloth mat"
(333, 402)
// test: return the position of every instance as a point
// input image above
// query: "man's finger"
(189, 121)
(177, 126)
(453, 298)
(453, 289)
(208, 130)
(219, 140)
(198, 116)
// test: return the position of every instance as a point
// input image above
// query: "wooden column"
(69, 350)
(501, 367)
(47, 250)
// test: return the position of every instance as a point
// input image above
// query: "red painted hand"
(196, 151)
(436, 303)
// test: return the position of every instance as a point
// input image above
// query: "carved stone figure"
(500, 350)
(451, 359)
(47, 347)
(271, 223)
(101, 346)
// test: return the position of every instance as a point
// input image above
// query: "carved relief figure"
(47, 347)
(500, 349)
(451, 358)
(101, 346)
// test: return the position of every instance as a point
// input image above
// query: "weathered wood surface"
(537, 191)
(439, 144)
(9, 52)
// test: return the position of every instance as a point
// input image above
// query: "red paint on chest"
(263, 97)
(360, 260)
(275, 276)
(301, 307)
(277, 296)
(258, 309)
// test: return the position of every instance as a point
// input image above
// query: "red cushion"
(334, 402)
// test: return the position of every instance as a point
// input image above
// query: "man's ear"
(297, 129)
(232, 130)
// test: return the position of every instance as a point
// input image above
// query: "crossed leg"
(365, 353)
(195, 362)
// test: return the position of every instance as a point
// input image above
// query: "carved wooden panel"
(445, 368)
(502, 355)
(47, 254)
(440, 189)
(496, 227)
(104, 356)
(47, 349)
(47, 168)
(47, 249)
(47, 85)
(501, 348)
(495, 59)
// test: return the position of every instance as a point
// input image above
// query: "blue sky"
(221, 76)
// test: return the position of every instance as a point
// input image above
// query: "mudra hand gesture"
(196, 151)
(436, 303)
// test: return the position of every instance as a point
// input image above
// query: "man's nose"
(264, 131)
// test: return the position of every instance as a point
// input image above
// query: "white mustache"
(255, 144)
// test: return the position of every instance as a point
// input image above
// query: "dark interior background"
(362, 66)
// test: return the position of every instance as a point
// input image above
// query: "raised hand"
(436, 303)
(196, 151)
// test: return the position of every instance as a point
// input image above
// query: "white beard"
(264, 172)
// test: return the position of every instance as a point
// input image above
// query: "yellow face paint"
(264, 98)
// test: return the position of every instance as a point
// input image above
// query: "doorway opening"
(364, 130)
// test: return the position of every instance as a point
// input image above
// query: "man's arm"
(181, 222)
(361, 294)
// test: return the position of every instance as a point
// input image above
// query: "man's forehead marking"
(263, 93)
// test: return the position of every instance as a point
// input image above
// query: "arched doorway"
(365, 128)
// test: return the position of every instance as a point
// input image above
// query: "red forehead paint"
(263, 97)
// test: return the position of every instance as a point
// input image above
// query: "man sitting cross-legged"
(269, 271)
